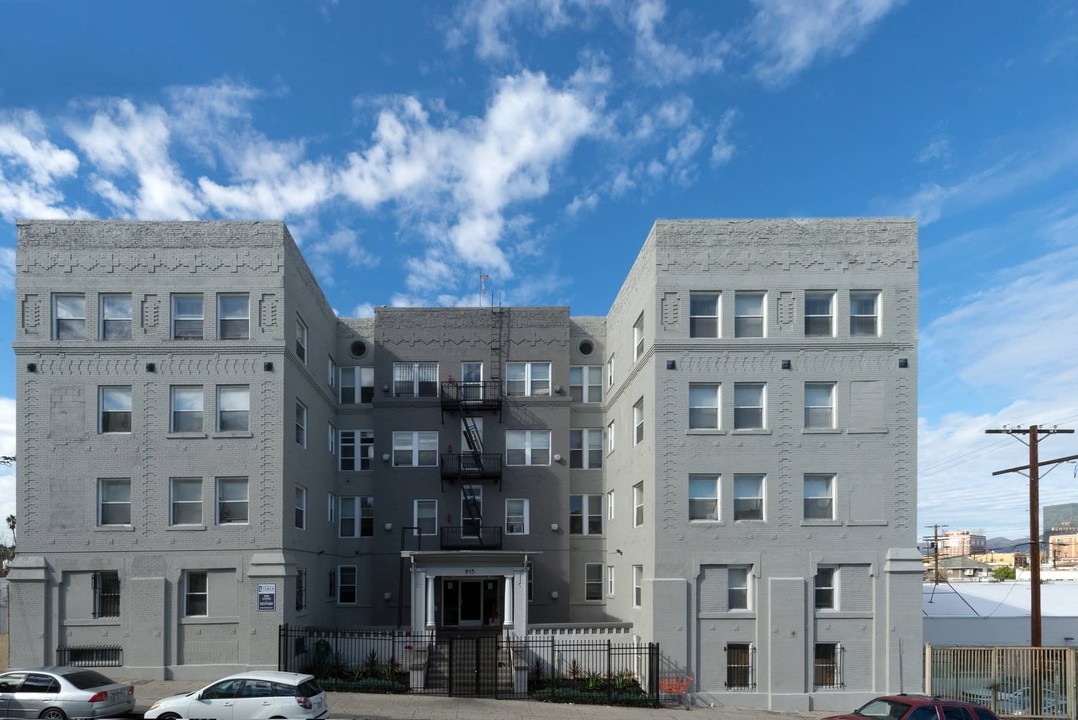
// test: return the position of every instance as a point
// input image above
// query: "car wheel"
(53, 714)
(168, 716)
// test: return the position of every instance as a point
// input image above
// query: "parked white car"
(249, 695)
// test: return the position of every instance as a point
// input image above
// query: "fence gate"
(479, 666)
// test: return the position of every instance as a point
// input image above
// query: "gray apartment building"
(726, 460)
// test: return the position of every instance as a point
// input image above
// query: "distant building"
(1058, 520)
(962, 543)
(1063, 550)
(726, 460)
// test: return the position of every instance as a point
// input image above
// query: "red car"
(917, 707)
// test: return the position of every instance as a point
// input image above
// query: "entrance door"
(475, 602)
(471, 603)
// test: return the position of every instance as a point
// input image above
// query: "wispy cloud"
(660, 62)
(792, 34)
(31, 169)
(723, 149)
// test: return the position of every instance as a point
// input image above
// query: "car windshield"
(880, 708)
(86, 679)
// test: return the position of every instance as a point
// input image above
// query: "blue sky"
(412, 146)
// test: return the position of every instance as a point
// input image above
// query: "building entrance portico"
(469, 591)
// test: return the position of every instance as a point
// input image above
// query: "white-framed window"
(585, 514)
(346, 584)
(704, 315)
(115, 415)
(331, 437)
(638, 338)
(186, 402)
(865, 313)
(471, 380)
(819, 313)
(415, 449)
(69, 316)
(703, 498)
(517, 521)
(232, 501)
(827, 666)
(415, 379)
(331, 508)
(610, 505)
(527, 447)
(366, 515)
(185, 501)
(233, 316)
(527, 379)
(196, 593)
(233, 408)
(187, 316)
(748, 497)
(704, 406)
(608, 436)
(586, 383)
(115, 316)
(819, 405)
(301, 340)
(638, 585)
(356, 516)
(301, 507)
(593, 582)
(301, 424)
(826, 588)
(638, 422)
(425, 517)
(114, 501)
(301, 589)
(749, 406)
(357, 385)
(610, 581)
(819, 496)
(332, 373)
(740, 666)
(586, 448)
(106, 587)
(749, 320)
(638, 504)
(737, 589)
(355, 457)
(610, 371)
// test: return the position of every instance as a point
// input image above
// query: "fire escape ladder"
(475, 515)
(499, 342)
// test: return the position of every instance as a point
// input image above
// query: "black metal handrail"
(485, 395)
(469, 537)
(471, 466)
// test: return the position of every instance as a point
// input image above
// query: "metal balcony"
(472, 396)
(470, 537)
(470, 466)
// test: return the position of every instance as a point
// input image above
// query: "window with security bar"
(827, 666)
(740, 673)
(106, 585)
(415, 379)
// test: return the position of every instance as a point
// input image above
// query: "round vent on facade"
(359, 348)
(586, 347)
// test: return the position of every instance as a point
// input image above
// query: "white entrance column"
(430, 602)
(508, 614)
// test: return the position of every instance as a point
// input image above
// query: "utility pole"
(1034, 432)
(936, 550)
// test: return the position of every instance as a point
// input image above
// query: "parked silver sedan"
(57, 693)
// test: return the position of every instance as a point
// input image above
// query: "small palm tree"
(11, 527)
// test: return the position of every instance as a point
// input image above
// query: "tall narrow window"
(819, 406)
(593, 582)
(749, 401)
(301, 340)
(638, 504)
(366, 516)
(827, 666)
(704, 315)
(187, 317)
(331, 438)
(116, 316)
(332, 373)
(425, 517)
(586, 383)
(739, 666)
(527, 379)
(196, 593)
(233, 408)
(231, 500)
(608, 436)
(301, 423)
(301, 507)
(610, 581)
(819, 313)
(301, 589)
(186, 501)
(106, 585)
(819, 497)
(738, 588)
(638, 338)
(864, 313)
(703, 498)
(114, 501)
(415, 379)
(703, 406)
(585, 514)
(516, 516)
(610, 371)
(69, 316)
(748, 497)
(115, 409)
(825, 588)
(348, 527)
(346, 585)
(187, 408)
(586, 448)
(638, 422)
(233, 316)
(638, 585)
(749, 314)
(471, 381)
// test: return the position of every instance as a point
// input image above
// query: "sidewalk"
(437, 707)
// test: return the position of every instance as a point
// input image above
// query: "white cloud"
(31, 168)
(363, 310)
(323, 253)
(793, 34)
(938, 148)
(661, 63)
(580, 203)
(723, 149)
(491, 21)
